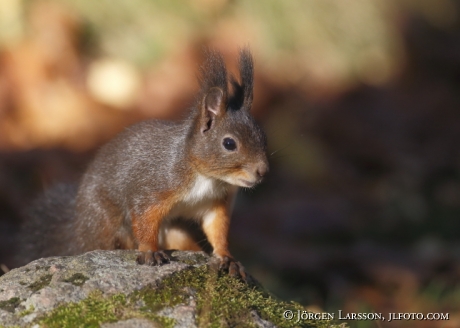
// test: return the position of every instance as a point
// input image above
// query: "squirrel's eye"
(229, 144)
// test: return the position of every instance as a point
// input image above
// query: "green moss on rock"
(27, 311)
(222, 301)
(87, 313)
(95, 310)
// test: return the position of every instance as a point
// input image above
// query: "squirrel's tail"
(48, 225)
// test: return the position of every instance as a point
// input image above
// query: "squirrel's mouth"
(243, 180)
(246, 183)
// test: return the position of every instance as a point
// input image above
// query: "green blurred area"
(347, 40)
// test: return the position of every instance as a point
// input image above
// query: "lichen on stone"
(77, 279)
(43, 281)
(11, 304)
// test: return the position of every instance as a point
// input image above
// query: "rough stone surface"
(183, 314)
(131, 323)
(44, 284)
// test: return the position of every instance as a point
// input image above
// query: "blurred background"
(360, 100)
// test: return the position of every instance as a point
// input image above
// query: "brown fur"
(217, 229)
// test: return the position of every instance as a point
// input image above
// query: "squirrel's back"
(144, 151)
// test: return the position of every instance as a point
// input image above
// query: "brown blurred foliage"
(80, 71)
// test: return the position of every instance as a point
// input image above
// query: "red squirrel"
(156, 171)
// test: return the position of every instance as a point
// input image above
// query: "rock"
(130, 323)
(109, 289)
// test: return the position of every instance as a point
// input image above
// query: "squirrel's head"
(227, 142)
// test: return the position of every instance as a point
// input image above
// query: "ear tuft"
(213, 72)
(242, 89)
(246, 66)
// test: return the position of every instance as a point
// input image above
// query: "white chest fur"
(199, 198)
(204, 188)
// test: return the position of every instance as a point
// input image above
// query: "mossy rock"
(108, 288)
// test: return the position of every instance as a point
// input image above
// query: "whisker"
(280, 149)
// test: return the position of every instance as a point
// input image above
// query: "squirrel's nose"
(261, 169)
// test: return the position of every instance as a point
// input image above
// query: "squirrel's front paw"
(234, 268)
(153, 258)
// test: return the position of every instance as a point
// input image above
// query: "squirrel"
(156, 171)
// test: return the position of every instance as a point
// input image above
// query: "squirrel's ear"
(213, 106)
(214, 101)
